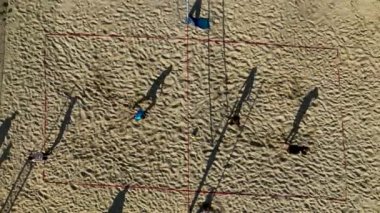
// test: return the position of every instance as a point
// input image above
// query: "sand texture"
(74, 71)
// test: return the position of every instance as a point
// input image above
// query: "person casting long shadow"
(246, 90)
(151, 95)
(5, 126)
(118, 202)
(212, 157)
(66, 121)
(306, 103)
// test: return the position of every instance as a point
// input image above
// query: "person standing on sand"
(35, 157)
(235, 120)
(296, 149)
(140, 114)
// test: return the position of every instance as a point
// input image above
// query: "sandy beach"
(74, 73)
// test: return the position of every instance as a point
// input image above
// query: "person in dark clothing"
(296, 149)
(235, 120)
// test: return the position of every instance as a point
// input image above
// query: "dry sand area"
(74, 69)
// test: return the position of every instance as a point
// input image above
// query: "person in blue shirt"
(140, 114)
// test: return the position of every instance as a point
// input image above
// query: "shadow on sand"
(152, 92)
(5, 154)
(4, 130)
(5, 126)
(66, 121)
(306, 103)
(246, 90)
(118, 202)
(17, 187)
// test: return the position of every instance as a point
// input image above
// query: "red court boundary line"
(188, 112)
(45, 95)
(187, 39)
(188, 191)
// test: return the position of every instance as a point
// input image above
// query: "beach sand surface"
(73, 71)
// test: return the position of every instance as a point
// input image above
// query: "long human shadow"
(5, 126)
(66, 121)
(5, 154)
(152, 92)
(212, 193)
(247, 88)
(118, 202)
(306, 103)
(17, 187)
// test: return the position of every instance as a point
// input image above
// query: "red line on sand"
(45, 94)
(188, 114)
(186, 40)
(339, 61)
(188, 191)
